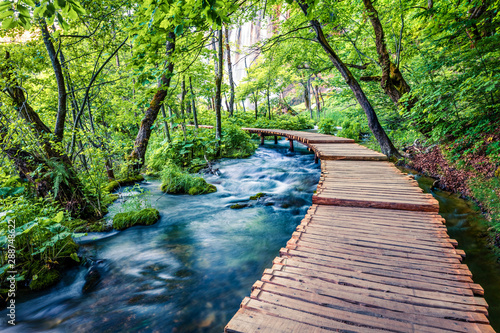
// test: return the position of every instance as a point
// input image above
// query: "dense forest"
(97, 95)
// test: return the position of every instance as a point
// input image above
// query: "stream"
(190, 271)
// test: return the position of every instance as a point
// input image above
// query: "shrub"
(146, 216)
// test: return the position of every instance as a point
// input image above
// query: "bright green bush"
(177, 181)
(327, 126)
(147, 216)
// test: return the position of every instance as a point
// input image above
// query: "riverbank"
(475, 178)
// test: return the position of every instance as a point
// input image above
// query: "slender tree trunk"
(170, 115)
(183, 107)
(385, 143)
(268, 102)
(255, 104)
(392, 81)
(141, 142)
(316, 97)
(195, 116)
(165, 124)
(61, 88)
(218, 94)
(243, 104)
(307, 96)
(230, 74)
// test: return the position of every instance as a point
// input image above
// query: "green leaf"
(9, 12)
(50, 10)
(30, 3)
(61, 21)
(5, 5)
(61, 3)
(59, 217)
(179, 29)
(74, 256)
(8, 23)
(23, 10)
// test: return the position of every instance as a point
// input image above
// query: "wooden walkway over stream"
(371, 255)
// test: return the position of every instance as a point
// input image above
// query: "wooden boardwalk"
(371, 255)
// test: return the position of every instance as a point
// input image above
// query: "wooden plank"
(247, 320)
(305, 318)
(460, 289)
(387, 261)
(454, 320)
(381, 271)
(325, 200)
(346, 292)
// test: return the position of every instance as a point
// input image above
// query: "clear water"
(190, 271)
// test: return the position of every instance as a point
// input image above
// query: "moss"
(123, 182)
(44, 279)
(176, 181)
(79, 225)
(208, 188)
(238, 206)
(146, 216)
(257, 196)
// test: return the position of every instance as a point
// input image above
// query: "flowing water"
(190, 271)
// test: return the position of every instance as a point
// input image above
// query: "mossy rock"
(238, 206)
(79, 225)
(146, 216)
(123, 182)
(208, 188)
(44, 279)
(257, 196)
(200, 187)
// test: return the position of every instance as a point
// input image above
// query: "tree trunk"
(307, 96)
(165, 125)
(316, 96)
(243, 104)
(61, 88)
(195, 116)
(142, 139)
(183, 107)
(385, 143)
(43, 172)
(268, 102)
(230, 74)
(255, 104)
(218, 94)
(392, 81)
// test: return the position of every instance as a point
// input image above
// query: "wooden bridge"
(371, 255)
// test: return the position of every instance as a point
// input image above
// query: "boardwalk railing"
(371, 255)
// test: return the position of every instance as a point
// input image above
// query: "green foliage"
(487, 193)
(257, 196)
(177, 181)
(327, 126)
(42, 241)
(238, 206)
(147, 216)
(115, 184)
